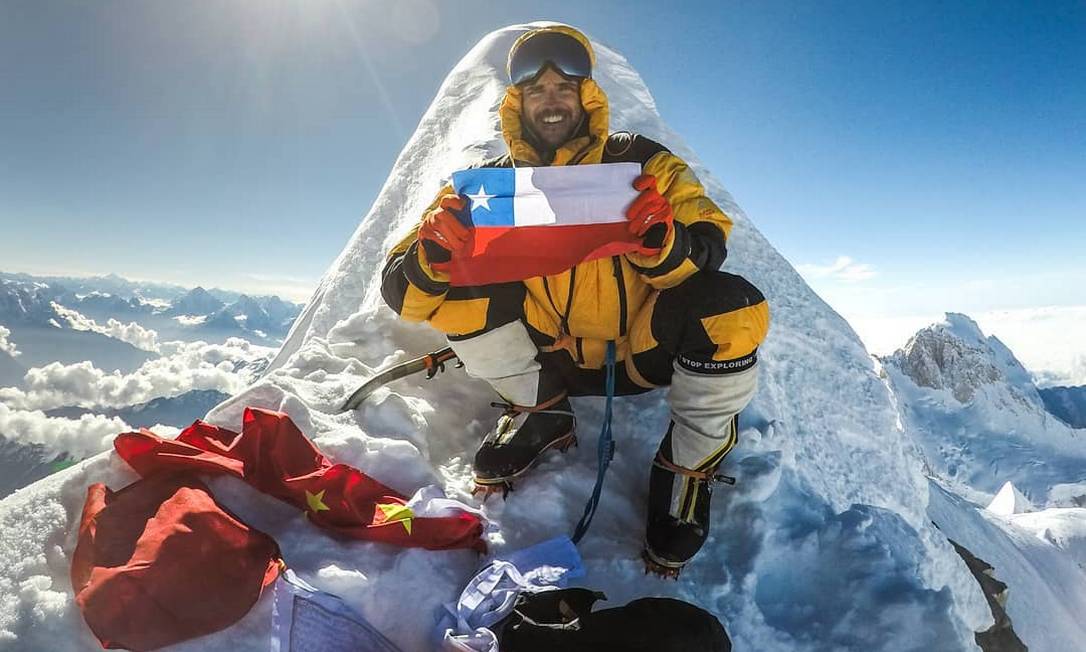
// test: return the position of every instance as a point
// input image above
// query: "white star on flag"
(481, 198)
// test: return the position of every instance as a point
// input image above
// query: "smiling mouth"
(552, 119)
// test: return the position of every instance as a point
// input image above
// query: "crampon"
(674, 536)
(504, 485)
(488, 489)
(660, 568)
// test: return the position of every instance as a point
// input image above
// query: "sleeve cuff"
(675, 250)
(420, 272)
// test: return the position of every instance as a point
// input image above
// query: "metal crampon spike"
(563, 444)
(658, 569)
(505, 485)
(487, 489)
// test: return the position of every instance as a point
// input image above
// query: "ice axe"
(431, 363)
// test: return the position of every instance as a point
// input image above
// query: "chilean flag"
(528, 222)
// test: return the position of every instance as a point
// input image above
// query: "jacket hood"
(582, 149)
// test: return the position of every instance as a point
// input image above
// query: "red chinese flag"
(273, 456)
(160, 562)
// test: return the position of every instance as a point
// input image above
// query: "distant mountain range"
(42, 334)
(1067, 403)
(117, 286)
(22, 464)
(118, 325)
(177, 411)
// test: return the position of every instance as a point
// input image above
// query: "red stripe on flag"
(502, 254)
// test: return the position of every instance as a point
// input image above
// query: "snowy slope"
(1063, 527)
(825, 543)
(975, 412)
(1039, 556)
(980, 421)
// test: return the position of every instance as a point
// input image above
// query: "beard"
(550, 133)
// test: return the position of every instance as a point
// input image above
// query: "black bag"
(564, 620)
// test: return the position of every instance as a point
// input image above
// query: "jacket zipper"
(617, 264)
(563, 326)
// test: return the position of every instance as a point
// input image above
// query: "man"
(675, 319)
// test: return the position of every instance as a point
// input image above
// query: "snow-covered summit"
(1010, 501)
(829, 511)
(197, 301)
(20, 304)
(954, 355)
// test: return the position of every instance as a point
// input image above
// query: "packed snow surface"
(825, 543)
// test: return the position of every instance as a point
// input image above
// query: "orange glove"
(650, 215)
(442, 234)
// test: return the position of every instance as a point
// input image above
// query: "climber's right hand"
(441, 234)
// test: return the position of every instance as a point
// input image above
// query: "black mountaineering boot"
(537, 415)
(520, 437)
(678, 519)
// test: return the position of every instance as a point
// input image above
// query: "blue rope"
(605, 450)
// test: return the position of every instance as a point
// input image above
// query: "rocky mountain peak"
(196, 301)
(963, 327)
(953, 355)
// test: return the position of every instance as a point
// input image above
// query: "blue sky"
(935, 152)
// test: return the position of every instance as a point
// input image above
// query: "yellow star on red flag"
(394, 512)
(316, 501)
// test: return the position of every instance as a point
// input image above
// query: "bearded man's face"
(551, 108)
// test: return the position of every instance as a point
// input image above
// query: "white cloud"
(184, 366)
(1050, 341)
(79, 438)
(133, 333)
(843, 269)
(6, 345)
(884, 335)
(157, 305)
(82, 437)
(1071, 374)
(190, 320)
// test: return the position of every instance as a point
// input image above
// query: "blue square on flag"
(490, 195)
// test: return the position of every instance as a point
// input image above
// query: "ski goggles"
(562, 51)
